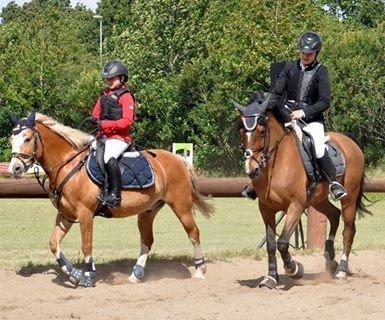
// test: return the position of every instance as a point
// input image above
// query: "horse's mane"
(76, 138)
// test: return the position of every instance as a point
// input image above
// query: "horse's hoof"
(134, 279)
(75, 275)
(331, 266)
(297, 273)
(137, 275)
(86, 282)
(342, 270)
(268, 282)
(139, 271)
(200, 271)
(340, 275)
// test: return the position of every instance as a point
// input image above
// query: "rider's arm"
(324, 94)
(127, 103)
(97, 110)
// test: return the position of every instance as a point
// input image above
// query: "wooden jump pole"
(216, 187)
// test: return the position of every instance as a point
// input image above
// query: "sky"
(88, 3)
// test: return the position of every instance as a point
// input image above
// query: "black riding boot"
(113, 197)
(336, 190)
(249, 192)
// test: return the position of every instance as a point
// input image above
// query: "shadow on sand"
(286, 283)
(118, 271)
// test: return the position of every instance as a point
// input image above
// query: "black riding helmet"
(114, 68)
(309, 42)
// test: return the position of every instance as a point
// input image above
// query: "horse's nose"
(248, 154)
(17, 170)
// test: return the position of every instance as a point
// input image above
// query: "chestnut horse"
(273, 162)
(60, 149)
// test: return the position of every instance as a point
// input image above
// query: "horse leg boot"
(113, 197)
(249, 192)
(326, 165)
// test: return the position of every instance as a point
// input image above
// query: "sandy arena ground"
(230, 291)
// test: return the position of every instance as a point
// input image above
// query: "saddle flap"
(307, 153)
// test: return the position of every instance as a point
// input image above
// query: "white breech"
(114, 148)
(317, 132)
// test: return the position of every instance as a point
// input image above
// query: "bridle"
(28, 160)
(264, 152)
(32, 159)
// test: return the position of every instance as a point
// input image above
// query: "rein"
(31, 158)
(48, 171)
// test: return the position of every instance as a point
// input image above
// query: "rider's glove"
(96, 122)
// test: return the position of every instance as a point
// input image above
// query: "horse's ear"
(237, 106)
(14, 120)
(31, 118)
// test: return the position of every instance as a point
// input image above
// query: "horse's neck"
(283, 143)
(277, 131)
(55, 149)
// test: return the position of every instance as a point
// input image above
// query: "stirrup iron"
(337, 190)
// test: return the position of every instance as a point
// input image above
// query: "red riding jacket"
(119, 128)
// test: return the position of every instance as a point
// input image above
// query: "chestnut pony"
(273, 162)
(60, 149)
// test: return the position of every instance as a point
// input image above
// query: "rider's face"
(114, 82)
(307, 58)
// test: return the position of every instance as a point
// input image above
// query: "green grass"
(236, 229)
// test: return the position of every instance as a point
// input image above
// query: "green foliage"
(355, 59)
(198, 56)
(42, 54)
(365, 12)
(116, 15)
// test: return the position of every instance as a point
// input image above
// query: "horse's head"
(254, 133)
(24, 141)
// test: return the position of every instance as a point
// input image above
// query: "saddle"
(307, 153)
(135, 169)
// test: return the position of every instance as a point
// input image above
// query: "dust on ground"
(230, 291)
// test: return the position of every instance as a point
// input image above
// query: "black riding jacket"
(310, 88)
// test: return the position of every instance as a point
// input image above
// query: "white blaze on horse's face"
(253, 142)
(248, 168)
(21, 143)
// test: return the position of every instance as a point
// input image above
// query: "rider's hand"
(297, 114)
(96, 122)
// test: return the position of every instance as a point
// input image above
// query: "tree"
(356, 65)
(188, 59)
(41, 58)
(366, 12)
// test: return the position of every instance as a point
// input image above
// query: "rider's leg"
(316, 130)
(113, 197)
(113, 149)
(336, 189)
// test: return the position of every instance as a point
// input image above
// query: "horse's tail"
(199, 201)
(362, 208)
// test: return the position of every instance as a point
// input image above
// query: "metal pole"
(100, 18)
(101, 38)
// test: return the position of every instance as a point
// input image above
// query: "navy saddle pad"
(334, 153)
(136, 171)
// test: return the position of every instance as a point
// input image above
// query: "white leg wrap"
(141, 262)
